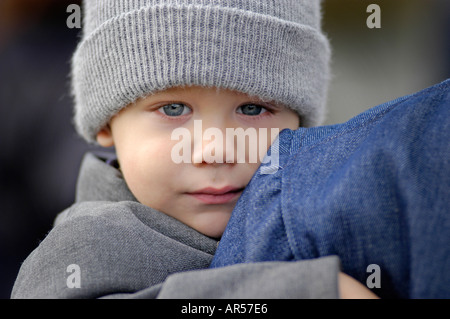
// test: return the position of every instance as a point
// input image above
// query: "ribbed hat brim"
(154, 48)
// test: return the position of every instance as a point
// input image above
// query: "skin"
(141, 134)
(350, 288)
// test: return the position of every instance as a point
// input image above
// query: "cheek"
(244, 172)
(266, 137)
(147, 169)
(290, 120)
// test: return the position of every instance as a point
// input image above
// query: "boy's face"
(201, 191)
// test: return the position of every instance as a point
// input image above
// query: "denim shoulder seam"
(292, 242)
(342, 132)
(384, 109)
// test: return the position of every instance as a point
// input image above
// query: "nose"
(210, 144)
(229, 144)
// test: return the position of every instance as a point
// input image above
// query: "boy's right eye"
(174, 109)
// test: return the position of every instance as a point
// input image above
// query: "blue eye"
(251, 109)
(174, 109)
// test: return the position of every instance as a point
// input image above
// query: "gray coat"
(108, 245)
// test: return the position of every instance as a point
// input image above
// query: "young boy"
(143, 71)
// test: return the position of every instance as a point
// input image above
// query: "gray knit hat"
(273, 49)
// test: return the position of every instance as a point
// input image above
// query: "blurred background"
(40, 152)
(410, 52)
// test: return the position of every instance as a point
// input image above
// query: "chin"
(213, 226)
(212, 232)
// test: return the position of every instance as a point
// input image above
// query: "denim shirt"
(375, 191)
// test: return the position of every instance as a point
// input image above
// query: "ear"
(104, 137)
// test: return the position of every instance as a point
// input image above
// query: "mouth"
(212, 195)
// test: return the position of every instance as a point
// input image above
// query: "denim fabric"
(373, 190)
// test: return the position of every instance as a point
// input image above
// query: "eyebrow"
(157, 98)
(272, 104)
(168, 96)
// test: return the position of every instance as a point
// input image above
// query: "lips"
(212, 195)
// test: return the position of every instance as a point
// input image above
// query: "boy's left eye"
(251, 109)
